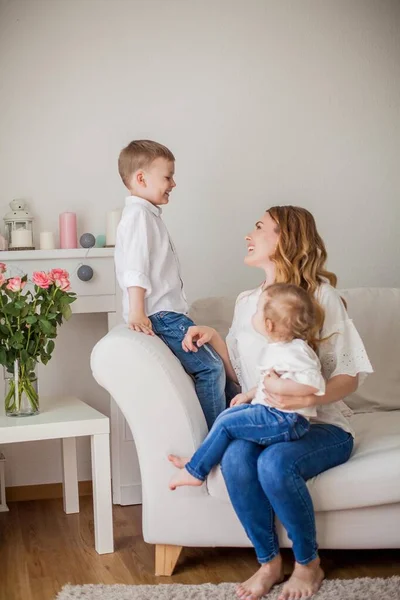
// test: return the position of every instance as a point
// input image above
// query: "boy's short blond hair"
(139, 154)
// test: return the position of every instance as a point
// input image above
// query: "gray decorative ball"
(87, 240)
(85, 273)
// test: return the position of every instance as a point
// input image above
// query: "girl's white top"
(341, 354)
(293, 360)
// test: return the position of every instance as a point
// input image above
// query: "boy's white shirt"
(146, 257)
(293, 360)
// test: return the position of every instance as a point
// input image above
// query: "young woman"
(264, 482)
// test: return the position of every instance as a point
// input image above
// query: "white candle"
(113, 218)
(47, 240)
(21, 238)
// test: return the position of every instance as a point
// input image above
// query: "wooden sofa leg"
(166, 559)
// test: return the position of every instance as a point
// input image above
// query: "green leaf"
(45, 325)
(16, 345)
(10, 309)
(50, 347)
(66, 299)
(17, 338)
(66, 312)
(31, 362)
(3, 357)
(25, 311)
(31, 319)
(24, 356)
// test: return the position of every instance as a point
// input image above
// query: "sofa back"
(376, 314)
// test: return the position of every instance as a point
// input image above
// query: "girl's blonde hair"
(293, 311)
(300, 254)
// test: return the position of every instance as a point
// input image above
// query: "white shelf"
(18, 255)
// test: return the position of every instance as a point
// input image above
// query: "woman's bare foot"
(304, 582)
(262, 581)
(178, 461)
(183, 477)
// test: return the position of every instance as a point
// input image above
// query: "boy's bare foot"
(262, 581)
(178, 461)
(183, 477)
(304, 582)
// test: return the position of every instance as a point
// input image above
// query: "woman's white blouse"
(342, 354)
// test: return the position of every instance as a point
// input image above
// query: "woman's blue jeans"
(252, 422)
(263, 482)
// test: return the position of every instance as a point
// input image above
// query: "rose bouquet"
(29, 319)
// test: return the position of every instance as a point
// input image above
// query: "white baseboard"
(130, 494)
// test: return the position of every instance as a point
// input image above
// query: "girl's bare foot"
(262, 581)
(178, 461)
(304, 582)
(183, 477)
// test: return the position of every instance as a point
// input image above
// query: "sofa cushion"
(376, 314)
(215, 312)
(370, 478)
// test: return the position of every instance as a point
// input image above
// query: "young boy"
(148, 269)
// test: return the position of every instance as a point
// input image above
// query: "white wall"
(263, 102)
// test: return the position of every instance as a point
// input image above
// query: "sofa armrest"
(155, 395)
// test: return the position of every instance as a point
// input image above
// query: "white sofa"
(357, 505)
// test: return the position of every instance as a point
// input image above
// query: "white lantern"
(19, 227)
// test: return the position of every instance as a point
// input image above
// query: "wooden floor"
(41, 549)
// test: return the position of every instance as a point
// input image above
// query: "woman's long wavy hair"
(300, 255)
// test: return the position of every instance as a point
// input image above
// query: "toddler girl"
(287, 318)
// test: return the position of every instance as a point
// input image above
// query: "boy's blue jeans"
(205, 365)
(252, 422)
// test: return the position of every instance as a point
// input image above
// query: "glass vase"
(21, 390)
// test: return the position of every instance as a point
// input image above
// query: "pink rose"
(3, 267)
(2, 279)
(56, 274)
(15, 284)
(41, 279)
(63, 284)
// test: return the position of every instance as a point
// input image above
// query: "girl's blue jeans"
(252, 422)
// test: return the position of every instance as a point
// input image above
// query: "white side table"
(68, 418)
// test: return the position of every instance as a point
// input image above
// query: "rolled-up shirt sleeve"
(137, 236)
(342, 352)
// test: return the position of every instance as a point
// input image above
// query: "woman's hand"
(196, 336)
(281, 401)
(290, 402)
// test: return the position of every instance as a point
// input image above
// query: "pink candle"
(68, 232)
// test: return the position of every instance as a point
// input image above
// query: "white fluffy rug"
(334, 589)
